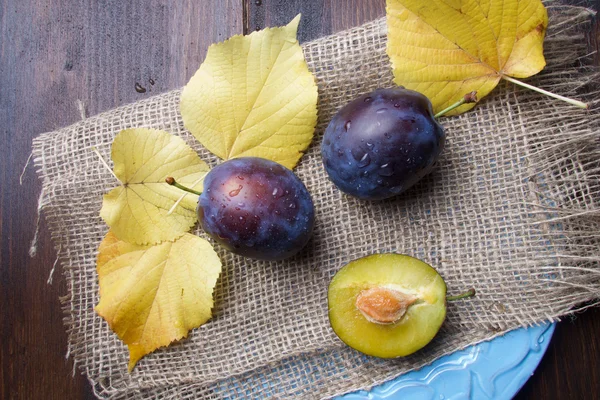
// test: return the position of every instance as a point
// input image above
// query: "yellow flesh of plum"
(406, 274)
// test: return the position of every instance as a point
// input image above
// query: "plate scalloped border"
(489, 370)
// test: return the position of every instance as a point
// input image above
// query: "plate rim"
(422, 382)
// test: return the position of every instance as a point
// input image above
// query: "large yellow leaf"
(253, 96)
(137, 210)
(447, 48)
(153, 295)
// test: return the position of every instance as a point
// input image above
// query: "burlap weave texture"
(512, 209)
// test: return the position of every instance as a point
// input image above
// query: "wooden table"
(55, 52)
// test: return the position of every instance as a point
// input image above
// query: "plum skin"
(382, 143)
(256, 208)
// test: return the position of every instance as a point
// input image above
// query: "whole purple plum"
(256, 208)
(382, 143)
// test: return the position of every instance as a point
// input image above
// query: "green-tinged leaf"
(137, 210)
(253, 96)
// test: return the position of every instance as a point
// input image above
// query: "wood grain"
(52, 53)
(319, 17)
(56, 51)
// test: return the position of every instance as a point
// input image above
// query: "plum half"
(387, 305)
(382, 143)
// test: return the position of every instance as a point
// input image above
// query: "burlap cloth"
(512, 209)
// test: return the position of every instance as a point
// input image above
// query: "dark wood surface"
(54, 52)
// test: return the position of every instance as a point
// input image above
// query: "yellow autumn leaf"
(153, 295)
(253, 96)
(137, 211)
(447, 48)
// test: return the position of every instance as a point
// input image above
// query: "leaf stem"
(576, 103)
(470, 97)
(95, 150)
(171, 181)
(469, 293)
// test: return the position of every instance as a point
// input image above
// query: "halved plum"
(387, 305)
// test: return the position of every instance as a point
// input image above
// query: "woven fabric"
(512, 209)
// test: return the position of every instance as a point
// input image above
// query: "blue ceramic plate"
(490, 370)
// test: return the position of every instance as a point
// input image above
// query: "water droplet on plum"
(385, 172)
(235, 192)
(364, 161)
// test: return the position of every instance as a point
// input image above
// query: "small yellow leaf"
(137, 211)
(448, 48)
(253, 96)
(153, 295)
